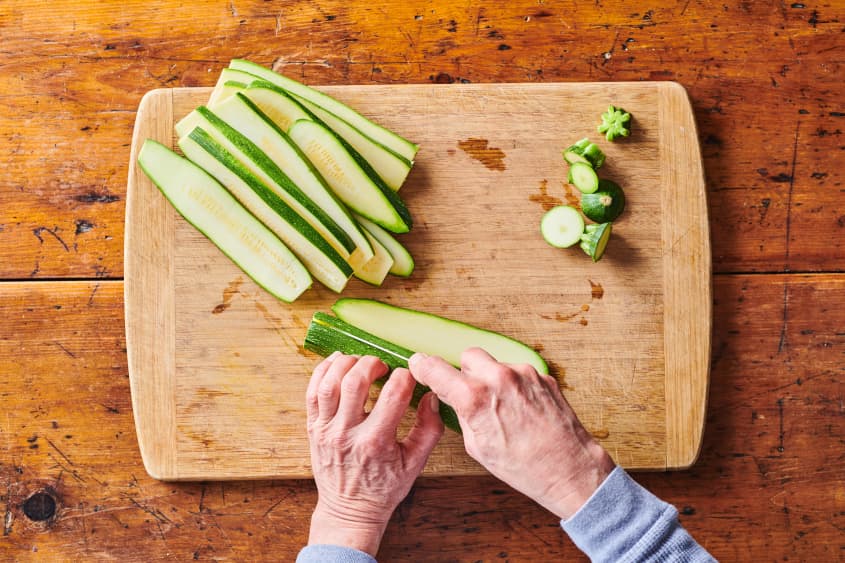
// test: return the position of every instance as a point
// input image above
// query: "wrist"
(566, 497)
(330, 527)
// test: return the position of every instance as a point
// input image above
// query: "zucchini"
(615, 122)
(276, 103)
(403, 262)
(594, 240)
(221, 91)
(245, 117)
(205, 204)
(390, 167)
(348, 176)
(376, 269)
(268, 172)
(431, 334)
(585, 151)
(377, 133)
(605, 204)
(562, 226)
(315, 253)
(382, 165)
(583, 177)
(327, 334)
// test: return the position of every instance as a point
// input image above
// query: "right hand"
(517, 424)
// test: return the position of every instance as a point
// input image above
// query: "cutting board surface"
(217, 371)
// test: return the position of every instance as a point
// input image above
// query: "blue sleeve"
(623, 522)
(333, 554)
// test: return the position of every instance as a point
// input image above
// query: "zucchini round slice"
(605, 204)
(562, 226)
(594, 240)
(583, 177)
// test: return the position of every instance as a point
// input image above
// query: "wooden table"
(766, 82)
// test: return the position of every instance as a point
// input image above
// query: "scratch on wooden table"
(789, 195)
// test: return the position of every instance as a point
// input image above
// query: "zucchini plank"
(431, 334)
(204, 203)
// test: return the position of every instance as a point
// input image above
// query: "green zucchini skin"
(605, 204)
(584, 151)
(594, 240)
(327, 334)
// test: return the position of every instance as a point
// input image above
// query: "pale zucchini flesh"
(267, 171)
(277, 104)
(432, 334)
(248, 119)
(348, 179)
(377, 133)
(403, 262)
(390, 167)
(316, 254)
(221, 91)
(213, 211)
(376, 269)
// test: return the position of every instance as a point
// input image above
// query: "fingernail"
(434, 403)
(418, 357)
(333, 355)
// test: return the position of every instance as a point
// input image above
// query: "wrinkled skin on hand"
(361, 470)
(518, 425)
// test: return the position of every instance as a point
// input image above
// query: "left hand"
(361, 470)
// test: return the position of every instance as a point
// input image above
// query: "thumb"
(425, 433)
(440, 376)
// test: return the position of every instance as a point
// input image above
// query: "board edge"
(149, 310)
(687, 277)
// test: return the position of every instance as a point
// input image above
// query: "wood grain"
(764, 79)
(476, 220)
(768, 483)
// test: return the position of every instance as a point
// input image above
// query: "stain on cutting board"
(228, 294)
(479, 149)
(542, 197)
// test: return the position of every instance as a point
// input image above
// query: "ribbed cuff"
(332, 554)
(624, 522)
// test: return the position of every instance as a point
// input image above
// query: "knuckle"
(478, 398)
(326, 390)
(503, 375)
(353, 383)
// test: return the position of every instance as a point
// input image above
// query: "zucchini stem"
(615, 122)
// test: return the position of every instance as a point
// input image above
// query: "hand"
(518, 425)
(362, 472)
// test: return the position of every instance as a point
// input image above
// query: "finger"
(525, 370)
(355, 388)
(328, 392)
(314, 383)
(477, 362)
(393, 400)
(426, 432)
(443, 379)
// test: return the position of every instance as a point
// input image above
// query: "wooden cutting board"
(217, 371)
